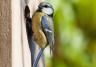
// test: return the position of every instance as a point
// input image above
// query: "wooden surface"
(20, 48)
(14, 48)
(21, 56)
(5, 33)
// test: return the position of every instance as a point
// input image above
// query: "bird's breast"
(38, 34)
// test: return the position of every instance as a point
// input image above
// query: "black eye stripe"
(46, 6)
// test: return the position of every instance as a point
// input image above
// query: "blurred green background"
(75, 34)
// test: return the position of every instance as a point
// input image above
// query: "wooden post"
(21, 56)
(5, 33)
(14, 48)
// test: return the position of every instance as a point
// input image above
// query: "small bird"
(43, 28)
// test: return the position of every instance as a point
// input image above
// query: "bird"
(43, 28)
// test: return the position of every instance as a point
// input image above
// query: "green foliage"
(75, 33)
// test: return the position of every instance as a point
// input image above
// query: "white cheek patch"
(47, 10)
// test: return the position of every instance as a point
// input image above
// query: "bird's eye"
(46, 6)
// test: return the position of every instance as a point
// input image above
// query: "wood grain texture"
(5, 33)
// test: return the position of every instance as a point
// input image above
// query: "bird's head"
(46, 7)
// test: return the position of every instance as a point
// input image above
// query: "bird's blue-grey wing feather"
(48, 31)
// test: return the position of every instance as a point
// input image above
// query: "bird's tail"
(35, 63)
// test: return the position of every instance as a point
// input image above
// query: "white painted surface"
(20, 49)
(21, 56)
(16, 34)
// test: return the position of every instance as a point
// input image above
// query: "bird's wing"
(48, 31)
